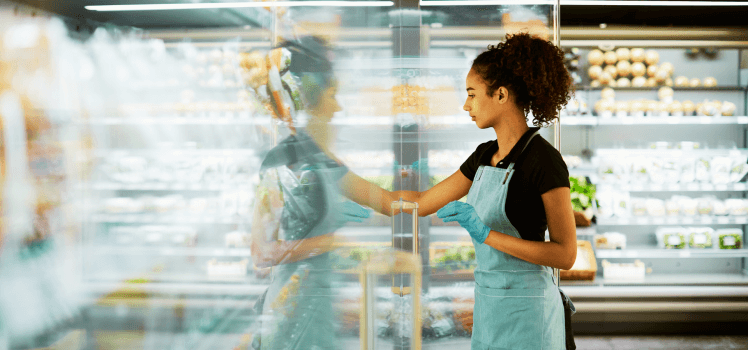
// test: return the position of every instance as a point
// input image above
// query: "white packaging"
(610, 240)
(605, 202)
(701, 237)
(687, 170)
(705, 205)
(671, 237)
(638, 206)
(624, 271)
(236, 239)
(735, 206)
(702, 172)
(672, 207)
(720, 169)
(655, 207)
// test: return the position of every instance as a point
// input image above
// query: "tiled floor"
(676, 342)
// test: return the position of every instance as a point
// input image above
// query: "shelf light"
(223, 5)
(580, 3)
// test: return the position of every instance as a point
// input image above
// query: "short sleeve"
(471, 165)
(550, 169)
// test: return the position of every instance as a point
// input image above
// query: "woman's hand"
(466, 216)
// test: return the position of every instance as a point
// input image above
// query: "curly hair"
(533, 70)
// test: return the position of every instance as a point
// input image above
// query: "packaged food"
(720, 208)
(672, 207)
(671, 237)
(610, 240)
(702, 170)
(626, 271)
(735, 206)
(731, 238)
(655, 207)
(705, 205)
(622, 204)
(720, 169)
(640, 170)
(638, 206)
(739, 168)
(700, 237)
(687, 170)
(688, 206)
(605, 200)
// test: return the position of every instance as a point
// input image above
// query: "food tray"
(588, 266)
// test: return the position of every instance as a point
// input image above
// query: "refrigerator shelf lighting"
(225, 5)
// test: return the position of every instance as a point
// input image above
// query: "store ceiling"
(696, 16)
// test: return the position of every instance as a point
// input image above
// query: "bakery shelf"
(674, 220)
(165, 218)
(690, 120)
(170, 251)
(221, 152)
(676, 187)
(646, 253)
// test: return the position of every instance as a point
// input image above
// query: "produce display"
(582, 196)
(701, 237)
(684, 168)
(730, 238)
(452, 258)
(621, 204)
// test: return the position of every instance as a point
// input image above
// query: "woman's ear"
(502, 94)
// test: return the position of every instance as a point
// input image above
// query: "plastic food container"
(624, 271)
(729, 238)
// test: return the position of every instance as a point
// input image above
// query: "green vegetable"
(726, 241)
(582, 193)
(669, 244)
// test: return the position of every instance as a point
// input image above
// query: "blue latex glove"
(466, 216)
(352, 212)
(421, 165)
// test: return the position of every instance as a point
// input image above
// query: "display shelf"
(578, 290)
(674, 220)
(160, 186)
(169, 251)
(681, 187)
(586, 231)
(690, 120)
(166, 218)
(647, 253)
(174, 121)
(675, 88)
(685, 280)
(163, 151)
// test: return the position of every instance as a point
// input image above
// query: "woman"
(300, 203)
(516, 187)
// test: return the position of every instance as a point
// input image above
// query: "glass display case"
(176, 132)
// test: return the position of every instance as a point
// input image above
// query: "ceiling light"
(222, 5)
(581, 3)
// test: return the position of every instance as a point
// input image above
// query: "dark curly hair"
(531, 68)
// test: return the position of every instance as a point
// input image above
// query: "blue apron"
(517, 304)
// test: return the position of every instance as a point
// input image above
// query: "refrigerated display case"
(178, 142)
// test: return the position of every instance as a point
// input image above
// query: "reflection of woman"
(304, 184)
(517, 186)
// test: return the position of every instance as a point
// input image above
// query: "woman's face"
(327, 104)
(484, 109)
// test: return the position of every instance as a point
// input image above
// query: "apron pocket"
(509, 318)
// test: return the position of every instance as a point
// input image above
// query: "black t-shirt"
(539, 169)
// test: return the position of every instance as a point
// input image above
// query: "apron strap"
(524, 147)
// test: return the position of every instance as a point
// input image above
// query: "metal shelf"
(690, 120)
(634, 253)
(160, 186)
(170, 251)
(675, 88)
(672, 281)
(174, 121)
(690, 187)
(673, 220)
(165, 219)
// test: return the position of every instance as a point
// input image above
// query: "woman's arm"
(451, 189)
(368, 194)
(561, 250)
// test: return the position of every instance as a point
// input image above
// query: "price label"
(728, 241)
(739, 187)
(741, 220)
(642, 221)
(692, 187)
(684, 254)
(688, 220)
(706, 220)
(699, 239)
(721, 187)
(656, 187)
(723, 220)
(742, 120)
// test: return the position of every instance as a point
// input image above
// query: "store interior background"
(161, 297)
